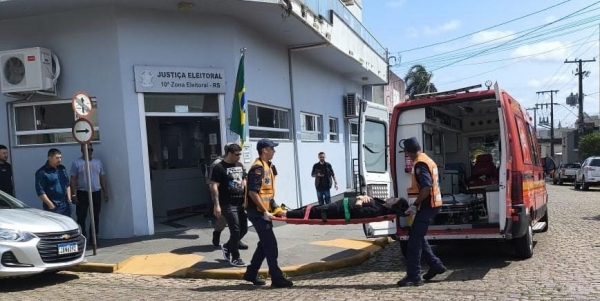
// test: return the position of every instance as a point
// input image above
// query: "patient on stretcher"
(363, 207)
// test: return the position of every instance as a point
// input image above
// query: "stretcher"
(338, 221)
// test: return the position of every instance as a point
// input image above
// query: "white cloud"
(395, 3)
(492, 35)
(557, 79)
(446, 27)
(557, 49)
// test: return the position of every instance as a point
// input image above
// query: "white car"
(589, 173)
(34, 241)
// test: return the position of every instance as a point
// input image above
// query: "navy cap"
(262, 143)
(412, 145)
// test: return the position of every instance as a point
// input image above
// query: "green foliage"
(418, 81)
(589, 145)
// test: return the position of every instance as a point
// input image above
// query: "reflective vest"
(267, 187)
(413, 190)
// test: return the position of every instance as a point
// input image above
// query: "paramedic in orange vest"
(425, 189)
(261, 208)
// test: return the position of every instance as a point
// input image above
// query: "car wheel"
(560, 182)
(584, 185)
(524, 244)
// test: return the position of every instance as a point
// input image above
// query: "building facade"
(161, 75)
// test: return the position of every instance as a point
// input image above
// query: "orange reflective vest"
(267, 188)
(413, 190)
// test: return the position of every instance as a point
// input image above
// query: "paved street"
(564, 267)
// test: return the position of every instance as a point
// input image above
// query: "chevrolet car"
(34, 241)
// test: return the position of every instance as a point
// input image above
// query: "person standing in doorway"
(221, 222)
(324, 177)
(52, 184)
(228, 184)
(261, 206)
(80, 187)
(425, 188)
(7, 183)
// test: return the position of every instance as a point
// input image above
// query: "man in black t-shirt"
(324, 177)
(6, 174)
(228, 182)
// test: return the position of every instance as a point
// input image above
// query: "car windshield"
(572, 165)
(595, 162)
(8, 202)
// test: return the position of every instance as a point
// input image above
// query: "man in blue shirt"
(80, 188)
(52, 184)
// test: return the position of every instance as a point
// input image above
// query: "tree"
(418, 81)
(589, 145)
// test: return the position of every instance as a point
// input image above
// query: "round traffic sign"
(82, 104)
(83, 131)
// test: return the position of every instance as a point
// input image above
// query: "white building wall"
(319, 91)
(98, 56)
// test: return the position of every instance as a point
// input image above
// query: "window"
(48, 122)
(375, 147)
(311, 127)
(524, 140)
(268, 122)
(334, 132)
(353, 132)
(533, 146)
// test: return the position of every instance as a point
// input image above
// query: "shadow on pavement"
(196, 249)
(9, 285)
(246, 286)
(592, 218)
(105, 243)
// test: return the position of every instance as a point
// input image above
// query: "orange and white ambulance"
(491, 173)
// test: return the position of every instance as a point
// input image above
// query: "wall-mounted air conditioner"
(351, 105)
(28, 71)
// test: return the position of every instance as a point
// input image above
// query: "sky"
(524, 56)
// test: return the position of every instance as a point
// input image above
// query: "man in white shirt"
(80, 188)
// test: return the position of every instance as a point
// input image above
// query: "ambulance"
(491, 173)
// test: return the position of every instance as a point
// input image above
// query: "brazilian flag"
(238, 110)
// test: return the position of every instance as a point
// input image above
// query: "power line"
(459, 52)
(491, 27)
(479, 53)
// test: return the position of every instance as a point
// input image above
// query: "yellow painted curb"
(162, 264)
(181, 270)
(297, 270)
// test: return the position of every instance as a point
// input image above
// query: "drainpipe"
(294, 137)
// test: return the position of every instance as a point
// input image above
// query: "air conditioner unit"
(28, 71)
(348, 2)
(351, 105)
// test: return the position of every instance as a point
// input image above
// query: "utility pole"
(534, 109)
(581, 73)
(552, 92)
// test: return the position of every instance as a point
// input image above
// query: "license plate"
(67, 248)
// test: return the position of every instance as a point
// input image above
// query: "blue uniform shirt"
(53, 182)
(423, 175)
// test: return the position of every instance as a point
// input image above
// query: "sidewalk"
(184, 249)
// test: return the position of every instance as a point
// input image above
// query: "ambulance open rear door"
(374, 161)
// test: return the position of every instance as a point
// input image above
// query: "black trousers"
(237, 221)
(265, 249)
(83, 207)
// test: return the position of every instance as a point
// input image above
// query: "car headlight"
(15, 235)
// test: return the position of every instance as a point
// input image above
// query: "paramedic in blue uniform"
(261, 208)
(427, 204)
(52, 184)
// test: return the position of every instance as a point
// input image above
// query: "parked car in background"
(565, 173)
(589, 173)
(34, 241)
